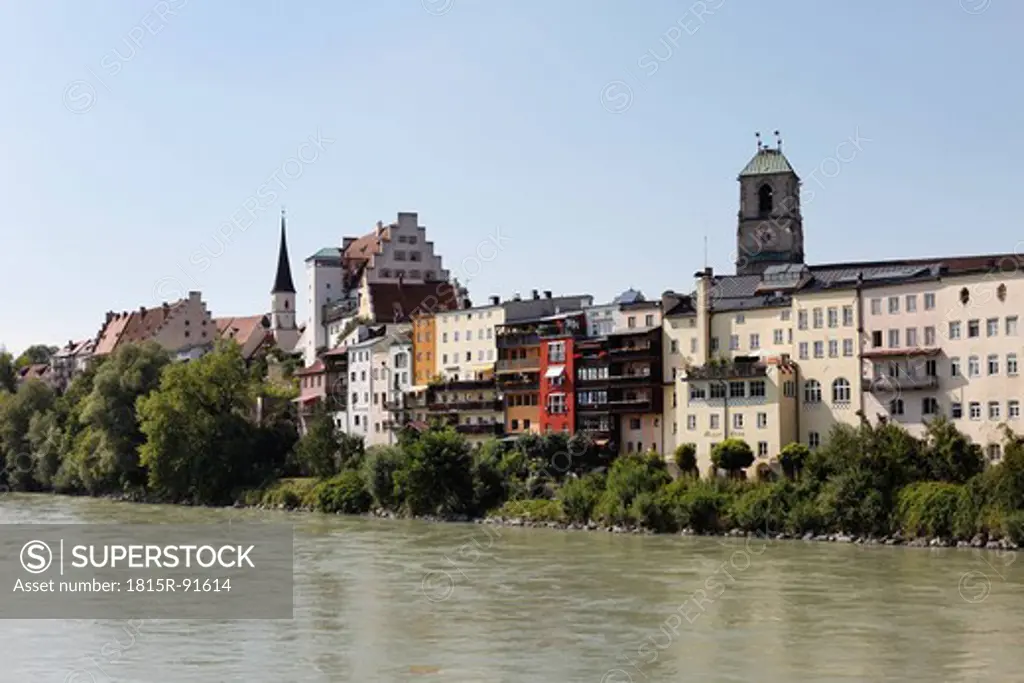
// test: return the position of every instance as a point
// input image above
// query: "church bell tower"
(770, 228)
(282, 298)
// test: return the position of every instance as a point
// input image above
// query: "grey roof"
(534, 309)
(767, 161)
(630, 296)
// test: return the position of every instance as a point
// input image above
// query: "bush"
(436, 476)
(686, 458)
(488, 482)
(289, 494)
(344, 493)
(732, 455)
(1013, 527)
(929, 508)
(762, 507)
(580, 496)
(379, 466)
(793, 457)
(630, 476)
(536, 510)
(699, 504)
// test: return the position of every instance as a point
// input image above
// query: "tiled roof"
(241, 329)
(111, 332)
(316, 368)
(363, 247)
(145, 322)
(768, 160)
(36, 371)
(395, 303)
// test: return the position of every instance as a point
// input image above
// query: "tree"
(686, 458)
(105, 455)
(317, 452)
(793, 458)
(8, 373)
(951, 456)
(437, 476)
(732, 455)
(199, 430)
(16, 412)
(37, 354)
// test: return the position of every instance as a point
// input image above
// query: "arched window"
(812, 391)
(764, 200)
(841, 391)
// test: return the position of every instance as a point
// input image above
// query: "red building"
(558, 334)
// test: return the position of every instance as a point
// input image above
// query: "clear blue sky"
(485, 115)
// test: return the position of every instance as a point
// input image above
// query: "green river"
(380, 600)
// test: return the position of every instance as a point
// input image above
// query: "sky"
(580, 146)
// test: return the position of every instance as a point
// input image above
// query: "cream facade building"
(784, 352)
(466, 347)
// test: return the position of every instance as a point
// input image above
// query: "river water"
(379, 600)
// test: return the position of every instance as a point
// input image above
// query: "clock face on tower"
(765, 235)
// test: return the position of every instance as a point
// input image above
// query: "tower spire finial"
(758, 136)
(283, 280)
(778, 140)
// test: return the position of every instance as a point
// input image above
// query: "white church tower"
(282, 299)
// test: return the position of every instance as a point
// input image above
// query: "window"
(911, 303)
(954, 329)
(757, 388)
(993, 410)
(894, 339)
(847, 347)
(876, 307)
(444, 357)
(1011, 364)
(994, 451)
(992, 327)
(819, 349)
(764, 200)
(762, 449)
(737, 420)
(714, 344)
(734, 342)
(956, 410)
(675, 346)
(1013, 409)
(931, 368)
(929, 301)
(515, 424)
(876, 339)
(973, 367)
(631, 321)
(777, 337)
(833, 316)
(833, 348)
(896, 406)
(973, 328)
(399, 255)
(691, 422)
(789, 336)
(785, 315)
(649, 321)
(716, 390)
(993, 364)
(819, 319)
(789, 389)
(762, 420)
(533, 402)
(847, 316)
(954, 367)
(455, 336)
(697, 393)
(556, 352)
(974, 410)
(929, 406)
(415, 256)
(813, 439)
(841, 391)
(737, 389)
(801, 319)
(755, 341)
(1011, 326)
(929, 336)
(713, 421)
(803, 351)
(812, 391)
(634, 423)
(911, 333)
(693, 345)
(894, 305)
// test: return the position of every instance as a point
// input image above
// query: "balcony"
(518, 364)
(494, 405)
(635, 379)
(884, 384)
(727, 371)
(515, 339)
(496, 429)
(520, 383)
(634, 351)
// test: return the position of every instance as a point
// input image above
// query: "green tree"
(686, 458)
(793, 458)
(8, 373)
(317, 452)
(199, 430)
(732, 455)
(105, 454)
(437, 476)
(37, 354)
(16, 412)
(951, 456)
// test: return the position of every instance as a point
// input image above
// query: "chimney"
(547, 293)
(142, 310)
(380, 228)
(110, 316)
(516, 297)
(536, 295)
(195, 296)
(166, 306)
(495, 300)
(347, 242)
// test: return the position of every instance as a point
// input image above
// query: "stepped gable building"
(783, 351)
(184, 328)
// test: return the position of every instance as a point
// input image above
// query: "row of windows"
(930, 406)
(413, 256)
(454, 318)
(469, 335)
(803, 349)
(414, 273)
(755, 388)
(715, 421)
(407, 239)
(818, 317)
(648, 321)
(480, 355)
(379, 398)
(991, 328)
(910, 304)
(841, 391)
(991, 365)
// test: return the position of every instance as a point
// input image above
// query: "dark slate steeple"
(283, 281)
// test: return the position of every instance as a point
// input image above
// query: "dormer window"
(764, 200)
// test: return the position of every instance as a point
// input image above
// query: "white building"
(466, 346)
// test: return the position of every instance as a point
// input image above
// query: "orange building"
(518, 373)
(424, 349)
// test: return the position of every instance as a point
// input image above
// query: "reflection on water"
(408, 601)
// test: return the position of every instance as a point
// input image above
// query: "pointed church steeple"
(283, 280)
